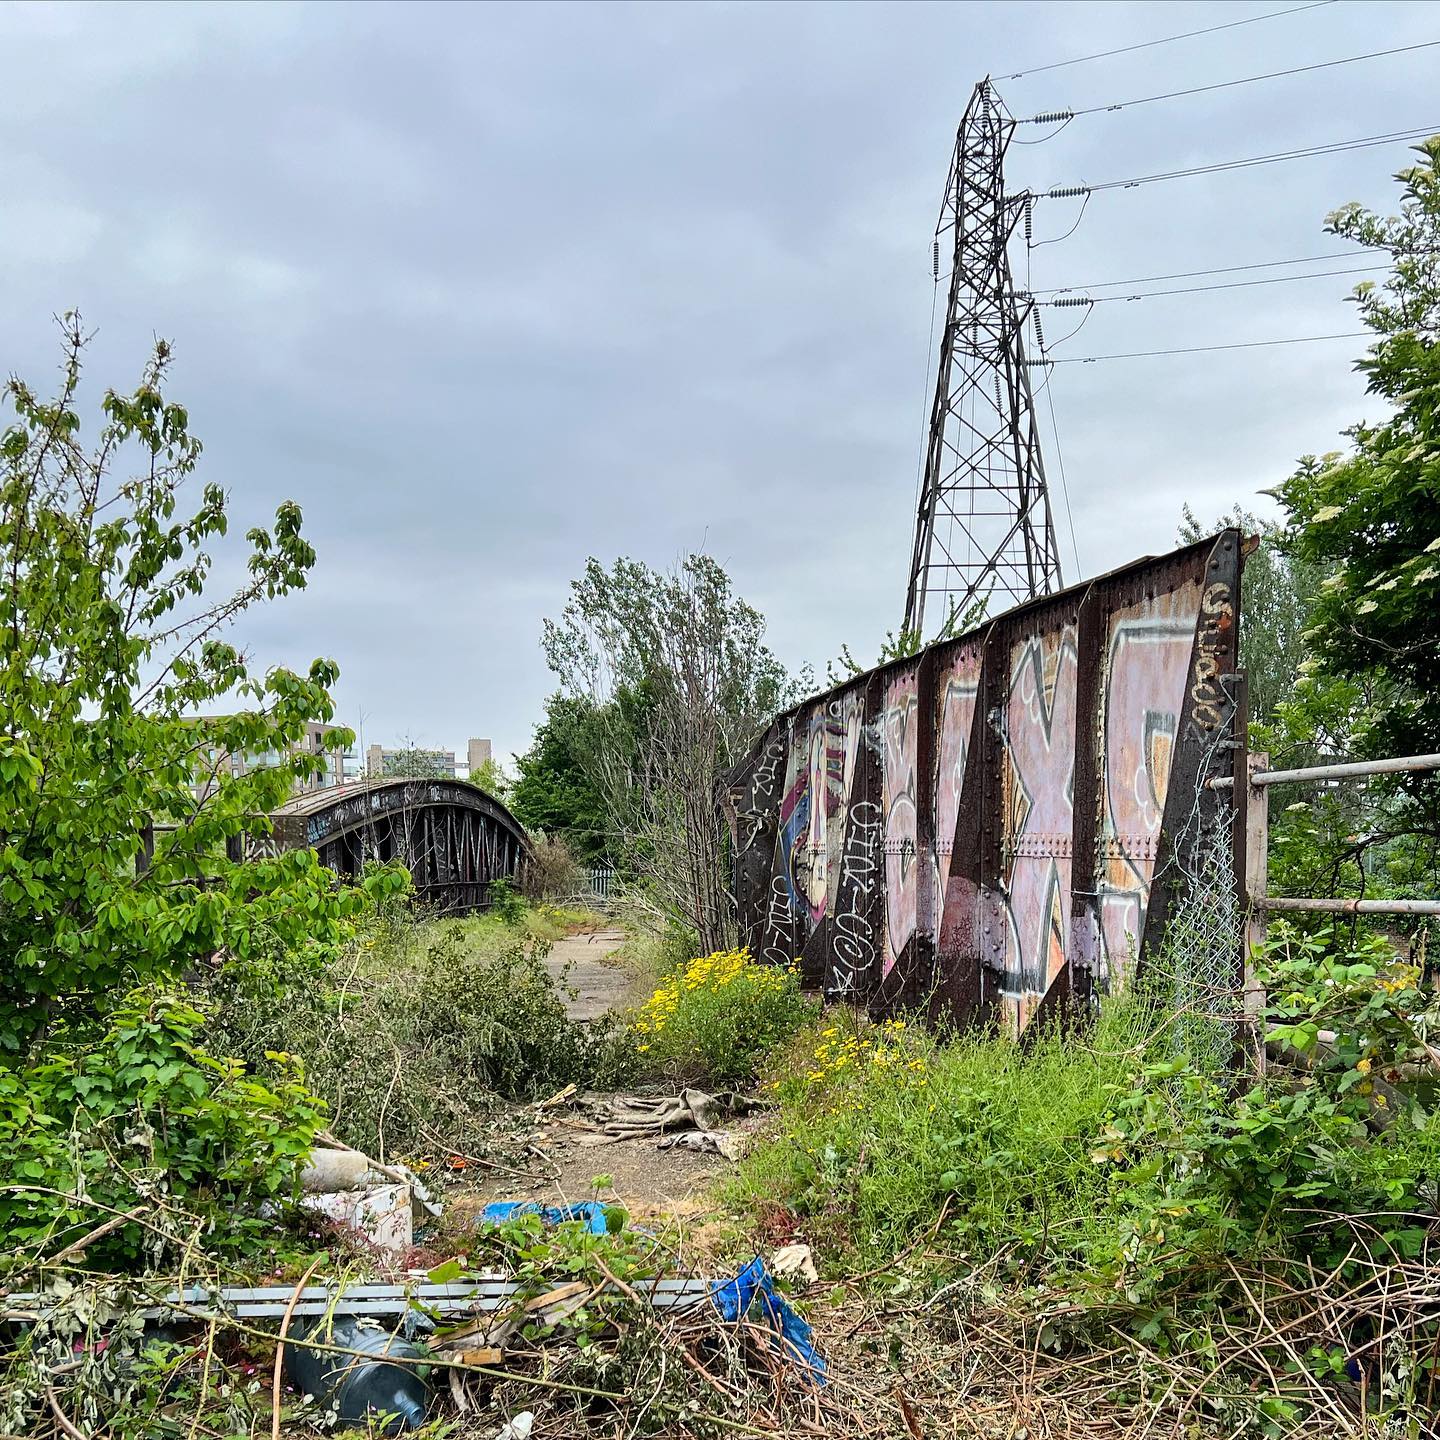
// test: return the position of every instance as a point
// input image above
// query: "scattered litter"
(383, 1214)
(382, 1202)
(591, 1213)
(754, 1287)
(359, 1389)
(794, 1260)
(323, 1159)
(704, 1142)
(518, 1429)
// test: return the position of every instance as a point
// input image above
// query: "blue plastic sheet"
(734, 1298)
(589, 1213)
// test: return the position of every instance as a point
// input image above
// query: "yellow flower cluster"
(710, 974)
(882, 1049)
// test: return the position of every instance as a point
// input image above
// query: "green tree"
(111, 646)
(1369, 519)
(410, 762)
(678, 682)
(492, 779)
(1372, 516)
(556, 793)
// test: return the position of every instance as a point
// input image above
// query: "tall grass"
(975, 1143)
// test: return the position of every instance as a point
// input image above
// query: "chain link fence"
(1198, 972)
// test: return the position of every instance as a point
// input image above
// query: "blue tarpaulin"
(733, 1299)
(590, 1213)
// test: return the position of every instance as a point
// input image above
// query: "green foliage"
(415, 1034)
(1373, 515)
(556, 793)
(715, 1017)
(1203, 1174)
(887, 1135)
(673, 681)
(506, 902)
(110, 649)
(492, 779)
(141, 1119)
(1367, 523)
(410, 762)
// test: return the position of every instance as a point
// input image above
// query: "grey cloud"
(490, 289)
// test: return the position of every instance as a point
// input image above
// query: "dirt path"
(582, 963)
(559, 1169)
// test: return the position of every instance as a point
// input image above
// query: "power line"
(1201, 349)
(1167, 40)
(1067, 303)
(1065, 192)
(1050, 117)
(1064, 486)
(1216, 270)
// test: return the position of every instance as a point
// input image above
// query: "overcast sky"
(489, 289)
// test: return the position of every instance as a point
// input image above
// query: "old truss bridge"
(455, 840)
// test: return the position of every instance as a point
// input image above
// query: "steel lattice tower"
(984, 526)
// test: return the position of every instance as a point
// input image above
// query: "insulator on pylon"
(1071, 300)
(1039, 333)
(935, 258)
(1029, 217)
(1066, 192)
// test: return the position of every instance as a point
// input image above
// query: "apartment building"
(383, 762)
(341, 767)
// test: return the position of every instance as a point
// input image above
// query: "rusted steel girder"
(454, 838)
(998, 827)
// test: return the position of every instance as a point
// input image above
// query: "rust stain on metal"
(982, 826)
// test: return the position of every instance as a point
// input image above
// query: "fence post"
(1256, 811)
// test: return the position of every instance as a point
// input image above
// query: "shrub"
(506, 902)
(413, 1039)
(554, 871)
(714, 1018)
(143, 1117)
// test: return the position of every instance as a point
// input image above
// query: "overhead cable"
(1201, 349)
(1050, 117)
(1217, 270)
(1065, 192)
(1067, 300)
(1167, 39)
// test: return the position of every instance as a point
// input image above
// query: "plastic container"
(361, 1389)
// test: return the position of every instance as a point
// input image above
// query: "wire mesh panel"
(1195, 969)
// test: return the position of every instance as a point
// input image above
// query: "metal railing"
(1253, 839)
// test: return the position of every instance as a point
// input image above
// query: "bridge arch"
(454, 838)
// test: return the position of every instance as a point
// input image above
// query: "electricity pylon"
(984, 528)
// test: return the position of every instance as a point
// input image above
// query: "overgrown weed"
(887, 1133)
(416, 1034)
(1088, 1186)
(715, 1017)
